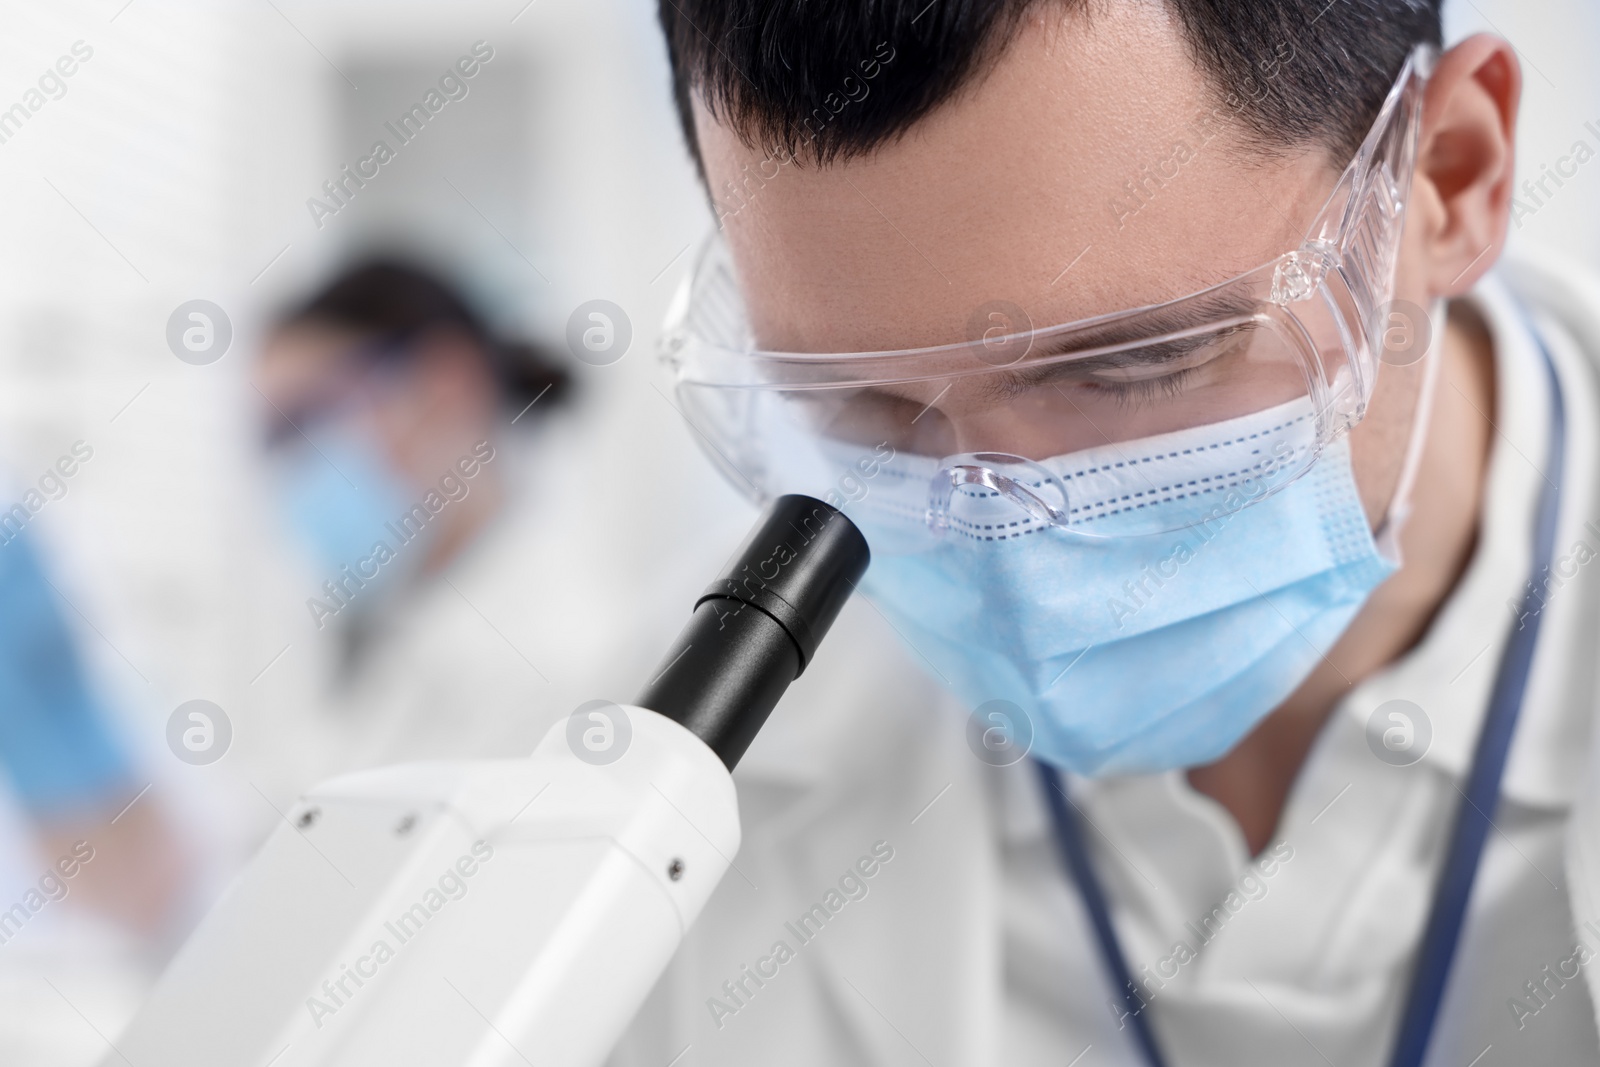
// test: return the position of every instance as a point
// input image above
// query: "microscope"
(502, 912)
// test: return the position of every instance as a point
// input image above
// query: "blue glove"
(55, 743)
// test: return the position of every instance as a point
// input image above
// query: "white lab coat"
(970, 946)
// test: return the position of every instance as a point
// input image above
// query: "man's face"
(1018, 190)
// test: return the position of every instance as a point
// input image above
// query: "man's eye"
(1164, 376)
(870, 416)
(1135, 391)
(1164, 367)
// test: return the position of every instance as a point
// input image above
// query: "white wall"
(177, 166)
(1556, 42)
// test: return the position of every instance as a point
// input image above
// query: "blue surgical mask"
(341, 497)
(1133, 653)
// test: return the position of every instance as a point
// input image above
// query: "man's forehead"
(1092, 168)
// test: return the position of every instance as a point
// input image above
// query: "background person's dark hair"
(393, 298)
(767, 68)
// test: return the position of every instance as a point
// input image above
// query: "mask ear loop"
(1387, 536)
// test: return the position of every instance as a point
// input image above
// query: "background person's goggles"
(1089, 426)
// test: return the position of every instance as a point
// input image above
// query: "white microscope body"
(502, 912)
(486, 913)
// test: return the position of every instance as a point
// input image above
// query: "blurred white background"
(178, 164)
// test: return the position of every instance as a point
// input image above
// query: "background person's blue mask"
(340, 496)
(1133, 653)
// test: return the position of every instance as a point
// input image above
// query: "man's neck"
(1253, 780)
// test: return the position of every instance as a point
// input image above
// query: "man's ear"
(1465, 161)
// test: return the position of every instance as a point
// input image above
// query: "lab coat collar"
(1449, 674)
(1569, 292)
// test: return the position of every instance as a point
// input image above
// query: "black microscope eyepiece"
(755, 628)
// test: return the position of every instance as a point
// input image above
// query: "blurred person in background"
(403, 432)
(394, 429)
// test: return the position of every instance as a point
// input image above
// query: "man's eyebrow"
(1157, 322)
(1217, 317)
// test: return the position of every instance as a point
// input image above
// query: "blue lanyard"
(1443, 932)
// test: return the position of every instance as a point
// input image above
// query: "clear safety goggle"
(1064, 424)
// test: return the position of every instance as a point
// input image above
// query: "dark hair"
(390, 298)
(779, 72)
